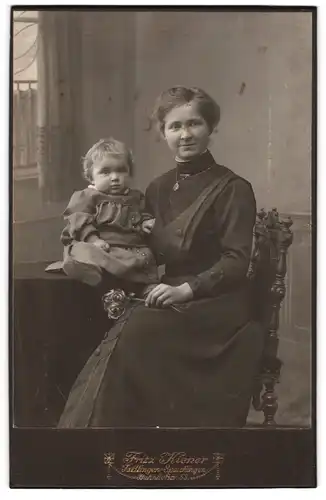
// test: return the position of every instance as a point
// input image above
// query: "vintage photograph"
(163, 170)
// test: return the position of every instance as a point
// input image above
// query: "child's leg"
(87, 273)
(130, 269)
(79, 265)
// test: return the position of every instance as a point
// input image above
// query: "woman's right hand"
(166, 295)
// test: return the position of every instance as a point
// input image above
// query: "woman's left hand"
(165, 295)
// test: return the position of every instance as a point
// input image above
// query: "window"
(25, 49)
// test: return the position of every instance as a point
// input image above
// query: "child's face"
(110, 175)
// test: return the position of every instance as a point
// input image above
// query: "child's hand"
(148, 225)
(103, 245)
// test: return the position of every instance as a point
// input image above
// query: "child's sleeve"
(145, 215)
(80, 218)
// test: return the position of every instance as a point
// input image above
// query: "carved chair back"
(267, 273)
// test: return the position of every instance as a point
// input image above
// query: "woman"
(193, 364)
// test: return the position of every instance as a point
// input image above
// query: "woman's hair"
(178, 96)
(102, 149)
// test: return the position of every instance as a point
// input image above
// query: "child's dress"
(116, 219)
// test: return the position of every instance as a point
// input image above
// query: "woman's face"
(186, 131)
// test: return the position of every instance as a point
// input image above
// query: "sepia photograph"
(163, 169)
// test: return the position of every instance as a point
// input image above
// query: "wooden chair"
(267, 271)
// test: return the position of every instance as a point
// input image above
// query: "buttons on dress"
(134, 222)
(219, 275)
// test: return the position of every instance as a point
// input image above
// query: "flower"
(115, 296)
(115, 311)
(114, 303)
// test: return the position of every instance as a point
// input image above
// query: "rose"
(115, 310)
(115, 296)
(114, 303)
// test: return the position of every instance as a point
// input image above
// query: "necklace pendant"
(176, 186)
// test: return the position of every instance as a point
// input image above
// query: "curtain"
(59, 103)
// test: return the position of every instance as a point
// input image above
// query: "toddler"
(107, 223)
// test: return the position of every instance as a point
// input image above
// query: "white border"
(140, 493)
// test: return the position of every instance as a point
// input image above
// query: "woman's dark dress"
(195, 368)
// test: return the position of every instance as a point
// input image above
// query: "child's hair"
(178, 96)
(103, 148)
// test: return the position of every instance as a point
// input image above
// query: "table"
(56, 324)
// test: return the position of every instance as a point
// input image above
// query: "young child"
(107, 224)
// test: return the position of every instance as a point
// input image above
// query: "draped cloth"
(169, 369)
(189, 368)
(58, 104)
